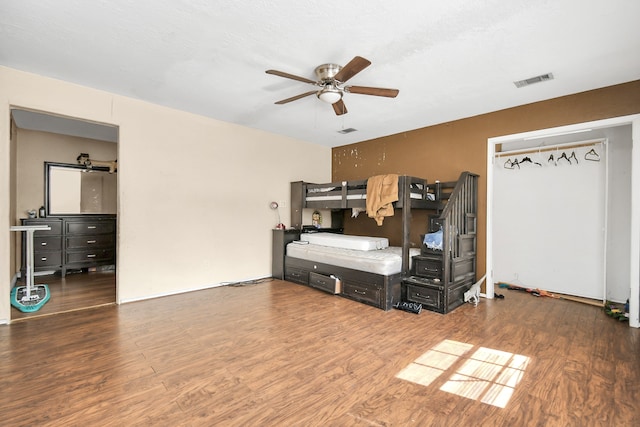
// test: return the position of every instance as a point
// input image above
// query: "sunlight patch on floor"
(487, 375)
(429, 366)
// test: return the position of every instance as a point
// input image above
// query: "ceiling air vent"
(532, 80)
(347, 130)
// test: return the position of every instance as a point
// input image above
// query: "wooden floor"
(76, 291)
(280, 354)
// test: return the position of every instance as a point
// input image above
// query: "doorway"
(41, 137)
(619, 246)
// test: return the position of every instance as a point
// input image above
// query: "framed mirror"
(77, 190)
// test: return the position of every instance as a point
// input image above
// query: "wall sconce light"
(274, 206)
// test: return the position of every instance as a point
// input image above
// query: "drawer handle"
(90, 241)
(322, 282)
(91, 227)
(91, 255)
(44, 258)
(44, 243)
(359, 292)
(430, 269)
(423, 296)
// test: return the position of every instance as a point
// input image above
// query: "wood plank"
(77, 291)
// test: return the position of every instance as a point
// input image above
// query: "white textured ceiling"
(449, 59)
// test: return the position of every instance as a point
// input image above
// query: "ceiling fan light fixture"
(330, 84)
(330, 94)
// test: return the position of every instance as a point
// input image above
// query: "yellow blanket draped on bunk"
(382, 191)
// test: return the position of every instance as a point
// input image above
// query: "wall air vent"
(532, 80)
(347, 130)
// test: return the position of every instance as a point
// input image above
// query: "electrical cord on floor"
(248, 282)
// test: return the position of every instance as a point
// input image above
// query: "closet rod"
(566, 146)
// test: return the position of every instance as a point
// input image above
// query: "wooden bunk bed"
(381, 290)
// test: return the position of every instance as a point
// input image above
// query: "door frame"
(12, 183)
(634, 253)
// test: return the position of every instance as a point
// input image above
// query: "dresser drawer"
(47, 259)
(56, 226)
(429, 267)
(90, 227)
(94, 241)
(99, 255)
(363, 293)
(46, 243)
(325, 283)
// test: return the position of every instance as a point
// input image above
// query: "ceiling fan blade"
(293, 98)
(339, 108)
(376, 91)
(290, 76)
(354, 66)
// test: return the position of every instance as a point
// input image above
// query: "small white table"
(29, 229)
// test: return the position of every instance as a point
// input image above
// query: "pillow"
(345, 241)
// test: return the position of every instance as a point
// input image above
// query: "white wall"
(193, 192)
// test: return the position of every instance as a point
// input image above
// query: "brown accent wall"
(442, 151)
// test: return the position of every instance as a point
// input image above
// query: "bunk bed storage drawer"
(424, 293)
(369, 294)
(325, 283)
(295, 274)
(428, 266)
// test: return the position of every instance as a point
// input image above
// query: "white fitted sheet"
(386, 261)
(346, 241)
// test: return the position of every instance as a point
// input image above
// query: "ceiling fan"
(331, 81)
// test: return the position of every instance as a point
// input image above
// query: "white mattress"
(346, 241)
(386, 261)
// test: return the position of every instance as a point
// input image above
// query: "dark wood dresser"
(74, 242)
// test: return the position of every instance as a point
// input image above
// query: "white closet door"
(548, 227)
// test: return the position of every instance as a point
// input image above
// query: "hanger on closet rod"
(551, 159)
(511, 164)
(573, 156)
(527, 159)
(564, 156)
(592, 156)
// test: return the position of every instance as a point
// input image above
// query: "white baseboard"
(183, 291)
